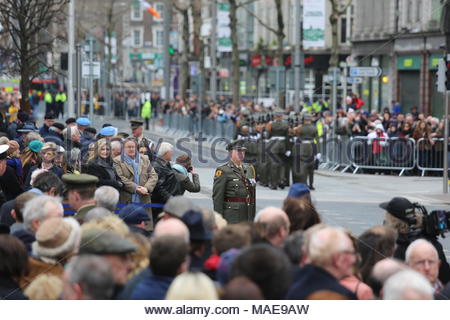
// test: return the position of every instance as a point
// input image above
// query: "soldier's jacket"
(234, 192)
(279, 129)
(308, 136)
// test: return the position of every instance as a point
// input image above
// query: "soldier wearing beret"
(234, 188)
(80, 193)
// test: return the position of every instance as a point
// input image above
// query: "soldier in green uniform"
(278, 145)
(234, 188)
(262, 160)
(137, 131)
(80, 193)
(305, 151)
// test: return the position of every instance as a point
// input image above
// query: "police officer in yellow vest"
(234, 188)
(146, 113)
(48, 98)
(60, 99)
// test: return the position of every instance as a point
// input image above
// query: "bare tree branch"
(265, 25)
(244, 4)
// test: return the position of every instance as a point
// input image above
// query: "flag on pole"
(148, 7)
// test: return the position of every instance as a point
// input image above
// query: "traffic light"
(171, 50)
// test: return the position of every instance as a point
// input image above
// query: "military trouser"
(303, 164)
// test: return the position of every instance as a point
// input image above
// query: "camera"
(436, 223)
(190, 168)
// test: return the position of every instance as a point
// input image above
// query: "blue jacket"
(152, 288)
(311, 279)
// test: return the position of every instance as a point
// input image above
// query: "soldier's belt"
(246, 200)
(278, 138)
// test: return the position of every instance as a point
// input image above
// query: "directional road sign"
(353, 80)
(365, 72)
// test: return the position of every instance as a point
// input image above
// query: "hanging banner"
(223, 27)
(314, 23)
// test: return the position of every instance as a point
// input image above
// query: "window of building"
(137, 35)
(159, 7)
(137, 14)
(158, 37)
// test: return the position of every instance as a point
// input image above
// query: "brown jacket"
(147, 178)
(38, 267)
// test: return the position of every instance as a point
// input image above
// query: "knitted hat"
(56, 236)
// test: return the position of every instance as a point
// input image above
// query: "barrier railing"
(382, 153)
(179, 124)
(430, 154)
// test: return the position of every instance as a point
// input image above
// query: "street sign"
(441, 76)
(365, 72)
(86, 70)
(334, 74)
(354, 80)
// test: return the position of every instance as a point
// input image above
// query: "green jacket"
(234, 192)
(146, 110)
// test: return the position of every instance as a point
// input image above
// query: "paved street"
(343, 199)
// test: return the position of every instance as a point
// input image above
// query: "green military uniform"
(142, 141)
(234, 190)
(278, 145)
(262, 160)
(304, 153)
(79, 182)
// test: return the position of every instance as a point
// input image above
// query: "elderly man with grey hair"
(34, 213)
(407, 285)
(331, 257)
(423, 257)
(107, 197)
(88, 277)
(167, 185)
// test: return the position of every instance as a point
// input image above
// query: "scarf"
(134, 163)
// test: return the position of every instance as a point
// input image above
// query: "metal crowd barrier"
(382, 153)
(179, 124)
(430, 154)
(334, 152)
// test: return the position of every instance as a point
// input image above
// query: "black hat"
(398, 207)
(49, 115)
(71, 120)
(23, 116)
(106, 125)
(236, 145)
(58, 125)
(135, 123)
(26, 127)
(133, 214)
(194, 221)
(91, 130)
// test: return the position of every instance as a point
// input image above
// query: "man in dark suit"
(332, 257)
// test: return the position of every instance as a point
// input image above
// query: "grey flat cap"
(178, 205)
(104, 242)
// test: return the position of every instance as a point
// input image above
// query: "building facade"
(403, 38)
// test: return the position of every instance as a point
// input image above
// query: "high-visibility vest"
(319, 127)
(48, 98)
(146, 110)
(308, 108)
(60, 97)
(317, 107)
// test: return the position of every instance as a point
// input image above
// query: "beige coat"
(147, 178)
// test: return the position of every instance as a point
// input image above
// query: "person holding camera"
(183, 167)
(410, 222)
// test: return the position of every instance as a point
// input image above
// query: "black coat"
(9, 184)
(100, 170)
(311, 279)
(10, 290)
(167, 184)
(54, 169)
